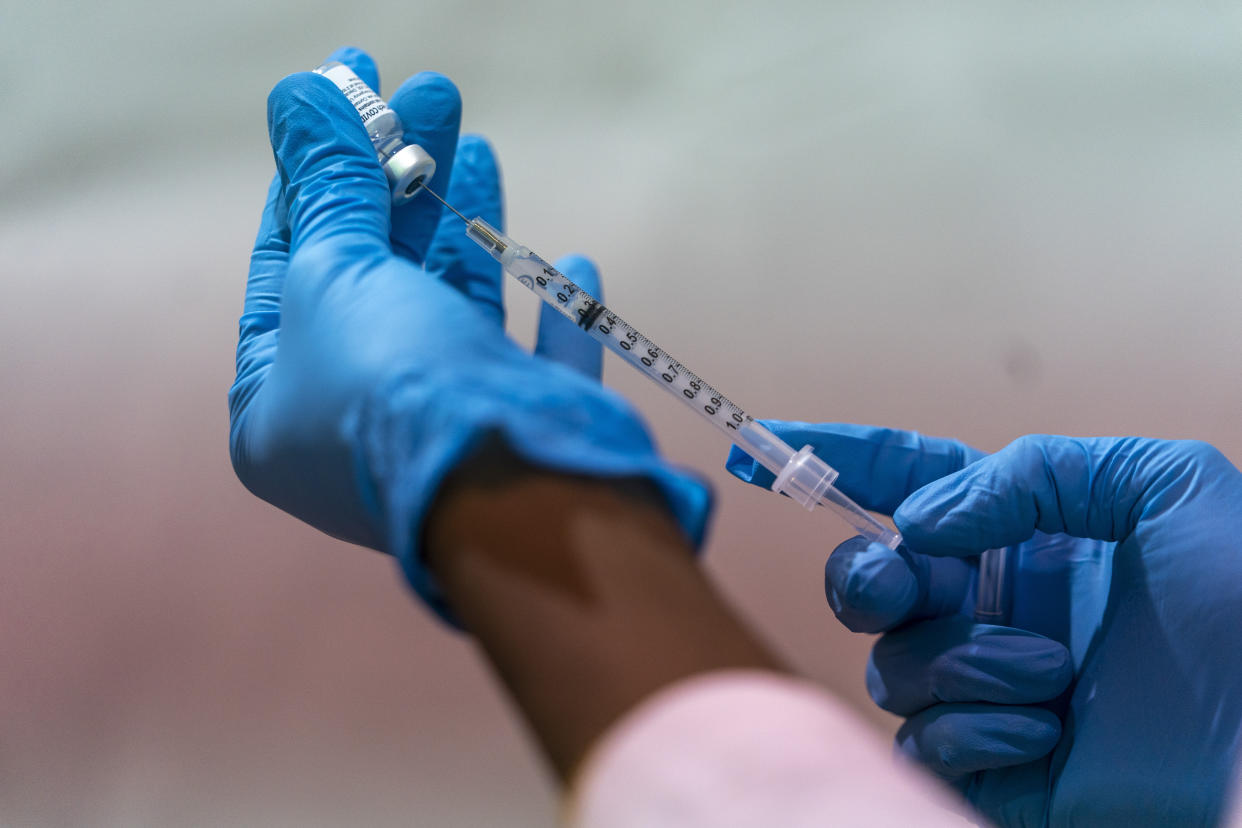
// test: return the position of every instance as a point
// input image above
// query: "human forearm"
(582, 592)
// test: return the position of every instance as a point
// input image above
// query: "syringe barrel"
(800, 474)
(992, 598)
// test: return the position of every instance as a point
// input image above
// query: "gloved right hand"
(1128, 590)
(372, 358)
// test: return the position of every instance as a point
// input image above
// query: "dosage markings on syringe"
(596, 319)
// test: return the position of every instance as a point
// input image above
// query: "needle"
(445, 203)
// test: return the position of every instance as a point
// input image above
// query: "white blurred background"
(976, 219)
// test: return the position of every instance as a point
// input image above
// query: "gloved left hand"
(372, 357)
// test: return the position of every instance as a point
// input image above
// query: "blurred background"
(973, 219)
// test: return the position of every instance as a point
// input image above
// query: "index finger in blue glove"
(333, 187)
(429, 106)
(362, 64)
(453, 258)
(559, 339)
(1090, 488)
(879, 467)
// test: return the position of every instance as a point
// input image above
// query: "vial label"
(369, 105)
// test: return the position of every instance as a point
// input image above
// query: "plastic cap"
(408, 169)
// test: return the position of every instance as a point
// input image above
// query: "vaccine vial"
(408, 166)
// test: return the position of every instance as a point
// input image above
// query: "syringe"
(799, 473)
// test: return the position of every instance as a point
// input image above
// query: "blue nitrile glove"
(1150, 727)
(372, 357)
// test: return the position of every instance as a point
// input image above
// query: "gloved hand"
(1127, 595)
(372, 357)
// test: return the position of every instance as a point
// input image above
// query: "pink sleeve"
(750, 748)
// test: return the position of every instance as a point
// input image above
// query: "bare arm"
(582, 592)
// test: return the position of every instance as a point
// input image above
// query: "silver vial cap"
(408, 169)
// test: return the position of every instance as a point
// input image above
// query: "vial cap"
(407, 170)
